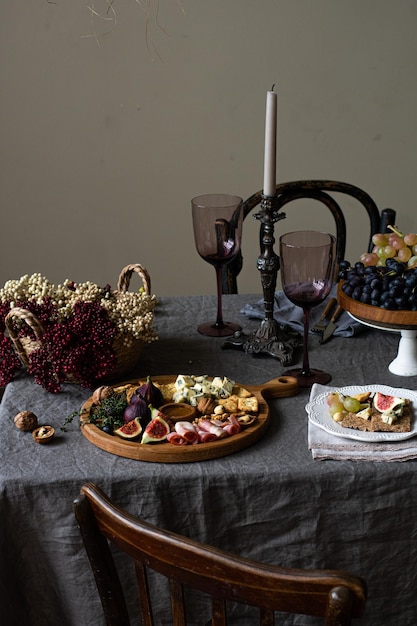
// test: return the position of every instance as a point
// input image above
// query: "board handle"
(280, 387)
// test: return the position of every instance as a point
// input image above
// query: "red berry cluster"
(78, 348)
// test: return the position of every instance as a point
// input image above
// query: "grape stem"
(395, 230)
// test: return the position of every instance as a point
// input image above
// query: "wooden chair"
(336, 596)
(321, 190)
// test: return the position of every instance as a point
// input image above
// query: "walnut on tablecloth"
(26, 421)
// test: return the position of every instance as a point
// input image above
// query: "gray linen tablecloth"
(271, 502)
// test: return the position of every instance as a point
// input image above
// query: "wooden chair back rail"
(337, 596)
(317, 190)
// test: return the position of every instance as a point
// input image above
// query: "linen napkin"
(287, 313)
(325, 446)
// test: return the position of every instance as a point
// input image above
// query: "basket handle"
(126, 275)
(31, 320)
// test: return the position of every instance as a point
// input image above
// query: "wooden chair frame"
(319, 190)
(335, 595)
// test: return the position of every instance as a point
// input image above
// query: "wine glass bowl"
(217, 225)
(307, 274)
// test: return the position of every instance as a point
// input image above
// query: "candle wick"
(273, 87)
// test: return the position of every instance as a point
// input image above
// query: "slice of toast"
(401, 425)
(375, 424)
(351, 420)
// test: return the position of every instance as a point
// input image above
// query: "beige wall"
(104, 141)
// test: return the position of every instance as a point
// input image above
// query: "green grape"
(389, 252)
(351, 404)
(380, 251)
(336, 407)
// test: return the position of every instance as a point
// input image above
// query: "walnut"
(25, 420)
(100, 393)
(43, 434)
(206, 406)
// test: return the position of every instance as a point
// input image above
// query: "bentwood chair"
(334, 595)
(322, 191)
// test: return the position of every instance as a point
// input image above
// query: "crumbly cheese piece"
(388, 417)
(184, 381)
(224, 386)
(365, 413)
(206, 388)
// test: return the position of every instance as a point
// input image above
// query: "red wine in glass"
(217, 224)
(307, 274)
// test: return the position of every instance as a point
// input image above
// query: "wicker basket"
(127, 356)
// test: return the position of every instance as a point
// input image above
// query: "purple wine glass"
(307, 274)
(217, 223)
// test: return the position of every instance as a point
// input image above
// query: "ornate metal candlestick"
(271, 338)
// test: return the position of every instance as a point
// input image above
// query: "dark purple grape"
(376, 297)
(347, 289)
(376, 283)
(389, 304)
(344, 265)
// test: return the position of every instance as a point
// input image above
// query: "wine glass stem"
(306, 363)
(219, 321)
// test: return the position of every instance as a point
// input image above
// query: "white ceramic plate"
(318, 414)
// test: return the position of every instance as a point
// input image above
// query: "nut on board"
(26, 421)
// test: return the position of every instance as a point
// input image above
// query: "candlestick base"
(276, 340)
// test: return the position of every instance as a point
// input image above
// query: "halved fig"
(131, 430)
(157, 430)
(384, 403)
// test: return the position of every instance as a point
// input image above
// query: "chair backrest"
(322, 191)
(336, 596)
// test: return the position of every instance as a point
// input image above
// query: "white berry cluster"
(35, 288)
(131, 312)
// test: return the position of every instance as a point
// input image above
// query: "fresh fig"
(151, 393)
(131, 430)
(384, 403)
(138, 407)
(157, 429)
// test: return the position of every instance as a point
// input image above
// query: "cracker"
(248, 405)
(229, 404)
(167, 390)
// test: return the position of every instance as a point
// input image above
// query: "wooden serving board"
(400, 320)
(281, 387)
